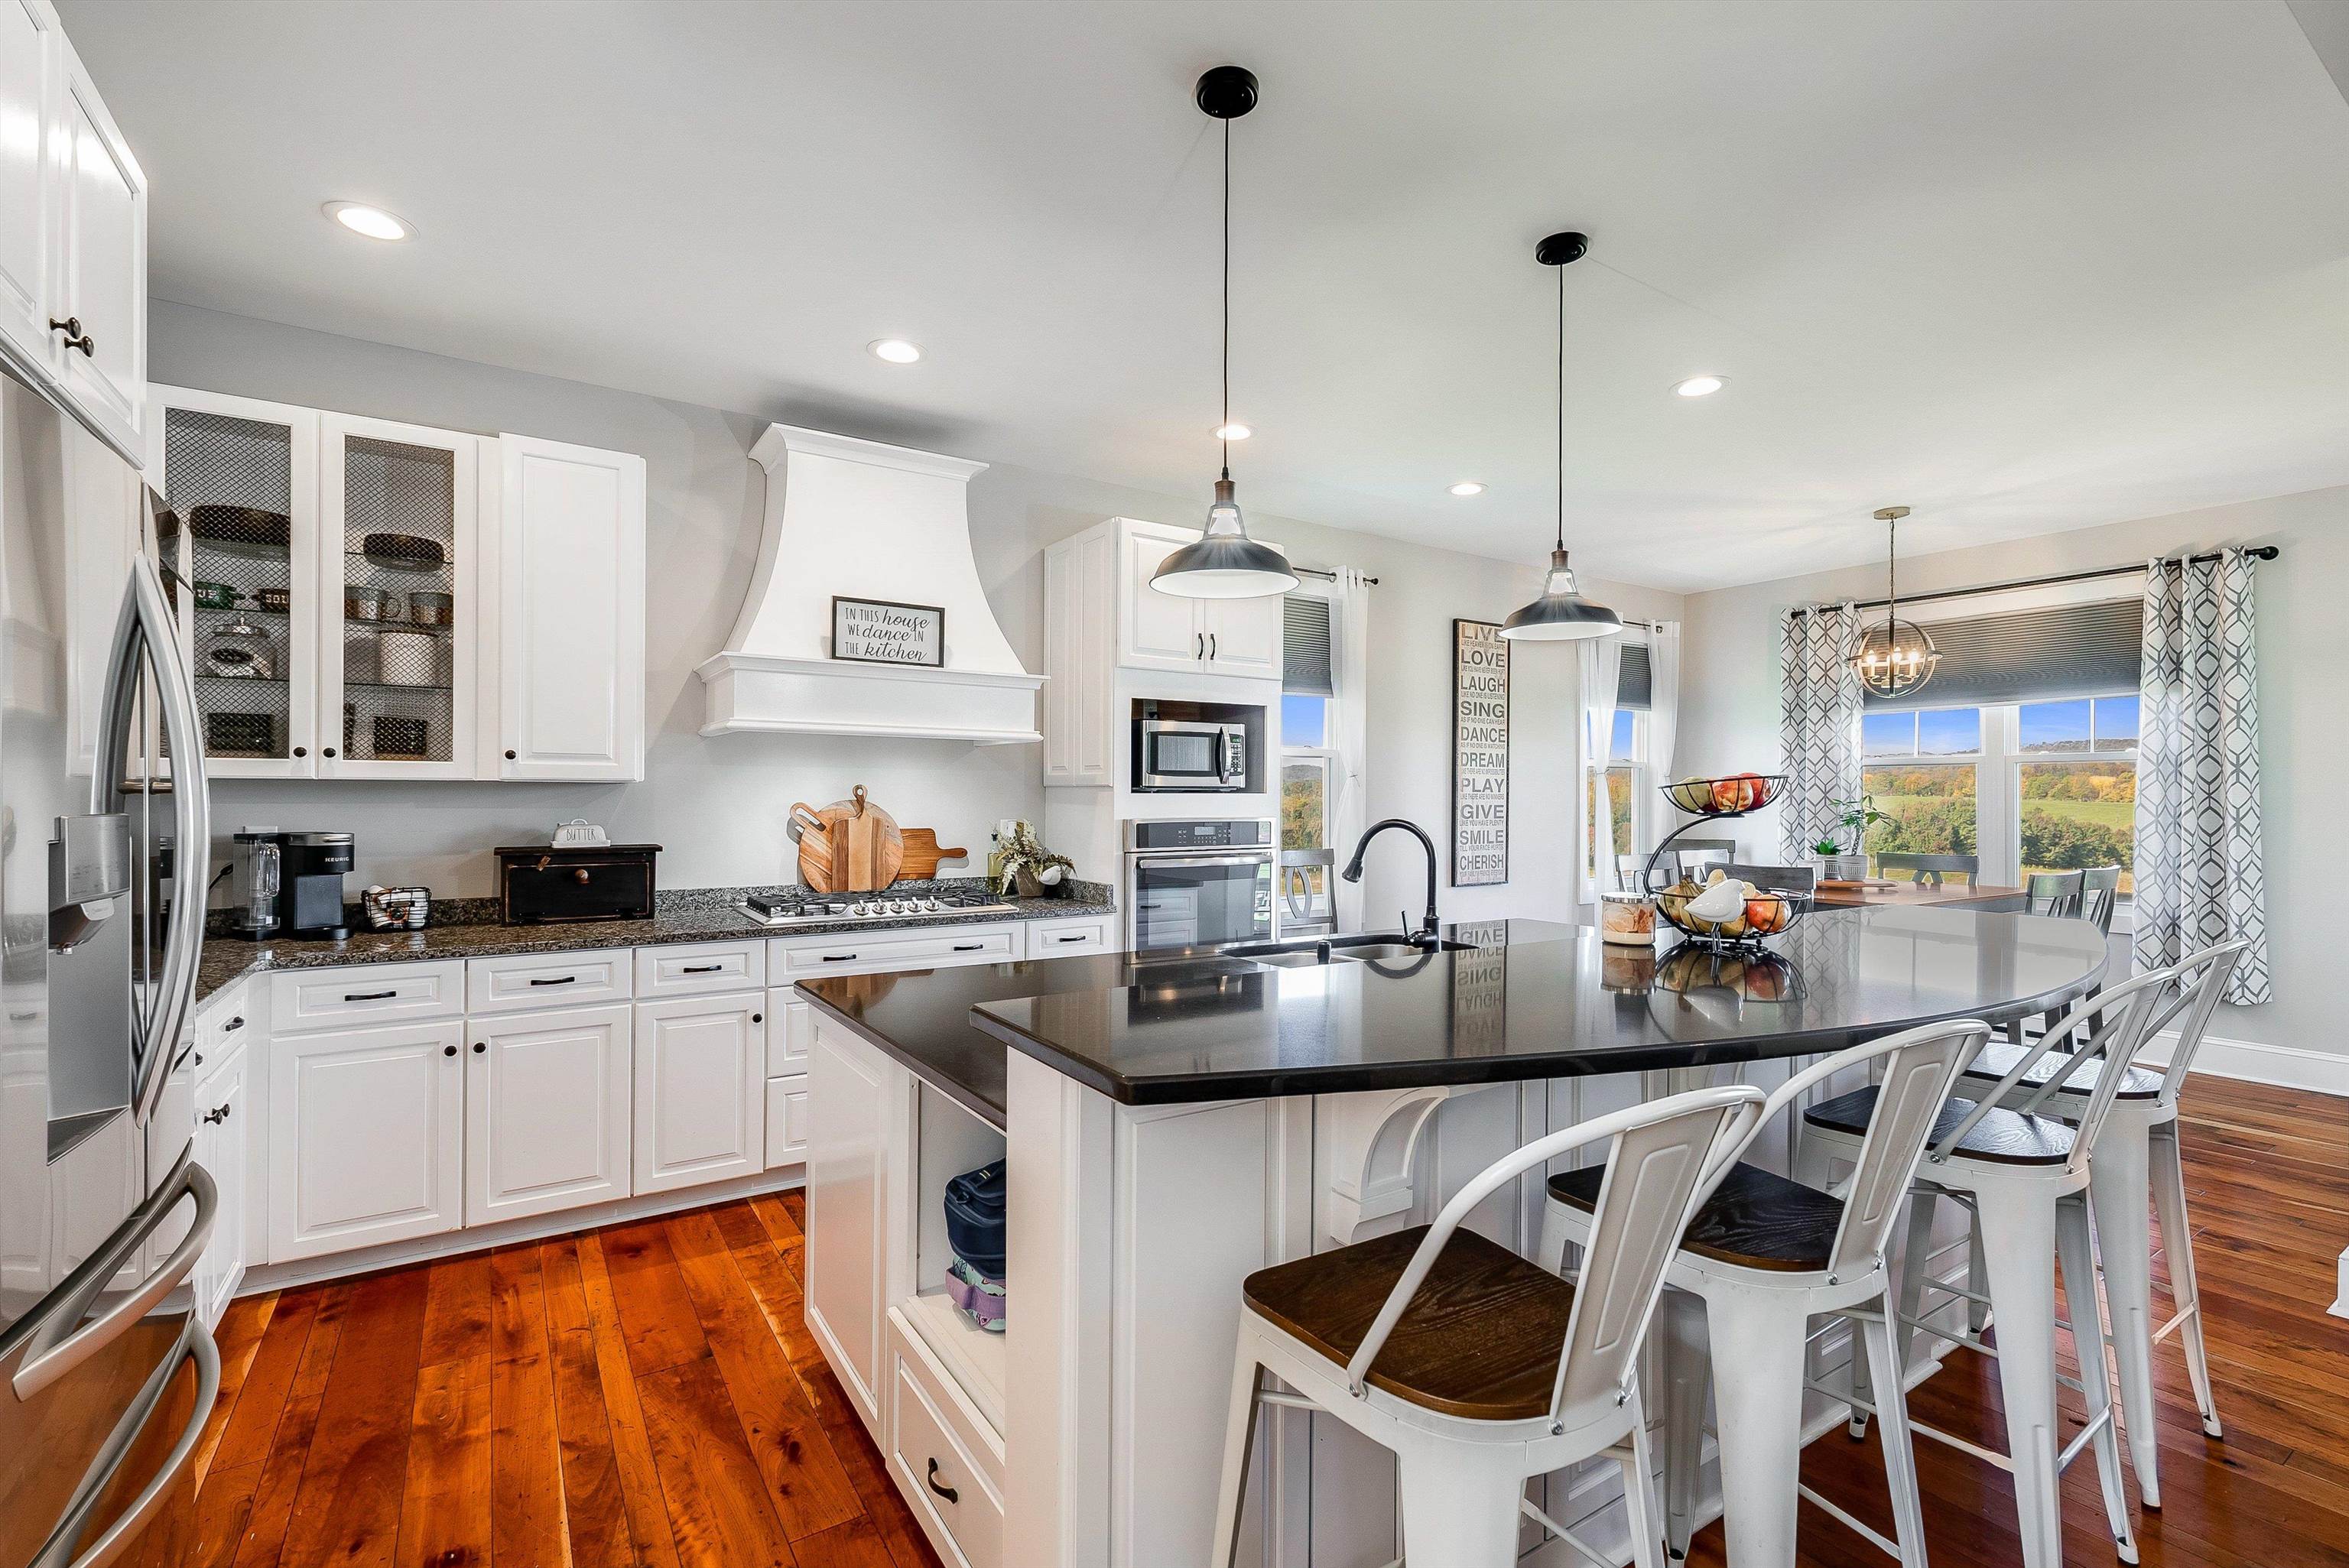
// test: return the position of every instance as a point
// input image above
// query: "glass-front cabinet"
(327, 573)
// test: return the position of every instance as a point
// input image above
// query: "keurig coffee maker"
(289, 884)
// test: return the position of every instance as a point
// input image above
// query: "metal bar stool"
(1474, 1367)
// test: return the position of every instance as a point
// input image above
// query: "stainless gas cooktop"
(803, 908)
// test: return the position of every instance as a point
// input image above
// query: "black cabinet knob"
(75, 336)
(329, 750)
(510, 756)
(302, 751)
(758, 1017)
(447, 1050)
(478, 1047)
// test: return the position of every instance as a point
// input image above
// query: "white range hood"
(864, 521)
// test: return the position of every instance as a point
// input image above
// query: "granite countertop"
(693, 915)
(1540, 1001)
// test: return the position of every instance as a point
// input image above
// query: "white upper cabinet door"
(230, 466)
(1080, 658)
(366, 1140)
(29, 57)
(98, 261)
(1162, 632)
(399, 581)
(546, 1112)
(701, 1090)
(1243, 634)
(570, 612)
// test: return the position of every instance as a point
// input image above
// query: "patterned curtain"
(1818, 725)
(2201, 877)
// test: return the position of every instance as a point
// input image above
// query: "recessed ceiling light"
(373, 222)
(1235, 431)
(895, 350)
(1701, 385)
(1468, 487)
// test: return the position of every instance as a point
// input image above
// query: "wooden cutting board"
(923, 854)
(849, 846)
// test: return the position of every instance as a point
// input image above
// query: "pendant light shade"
(1224, 563)
(1894, 657)
(1561, 613)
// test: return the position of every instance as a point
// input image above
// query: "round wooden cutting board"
(860, 848)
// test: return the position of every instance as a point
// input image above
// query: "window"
(1620, 779)
(1309, 763)
(2076, 785)
(1919, 769)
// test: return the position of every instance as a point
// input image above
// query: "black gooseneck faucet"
(1353, 872)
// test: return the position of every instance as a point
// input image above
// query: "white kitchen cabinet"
(1162, 631)
(98, 274)
(366, 1137)
(224, 1147)
(787, 1121)
(547, 1116)
(73, 234)
(571, 611)
(701, 1089)
(1080, 657)
(856, 1090)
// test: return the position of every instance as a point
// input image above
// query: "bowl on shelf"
(405, 550)
(1728, 796)
(240, 527)
(1766, 912)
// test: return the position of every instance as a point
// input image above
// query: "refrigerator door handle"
(145, 627)
(57, 1346)
(194, 1344)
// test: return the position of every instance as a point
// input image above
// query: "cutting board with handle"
(849, 846)
(923, 854)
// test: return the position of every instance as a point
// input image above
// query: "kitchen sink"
(1304, 951)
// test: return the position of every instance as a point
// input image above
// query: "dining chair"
(1475, 1368)
(2100, 891)
(1690, 853)
(2023, 1179)
(1785, 879)
(1761, 1257)
(1296, 883)
(1927, 870)
(2137, 1156)
(2056, 893)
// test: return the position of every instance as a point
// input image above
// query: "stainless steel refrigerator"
(106, 1372)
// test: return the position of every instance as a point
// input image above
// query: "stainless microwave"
(1189, 755)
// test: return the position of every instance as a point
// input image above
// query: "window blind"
(1305, 646)
(1635, 683)
(2031, 656)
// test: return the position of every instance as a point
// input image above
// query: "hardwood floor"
(648, 1394)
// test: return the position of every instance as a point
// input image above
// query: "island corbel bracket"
(1372, 1139)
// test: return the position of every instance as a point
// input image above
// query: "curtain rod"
(1326, 576)
(2257, 553)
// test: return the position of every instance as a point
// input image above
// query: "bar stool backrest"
(2056, 893)
(2199, 987)
(1662, 1162)
(1923, 1067)
(1927, 870)
(2100, 891)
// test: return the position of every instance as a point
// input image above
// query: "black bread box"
(545, 884)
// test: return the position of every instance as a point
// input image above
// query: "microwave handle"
(1227, 743)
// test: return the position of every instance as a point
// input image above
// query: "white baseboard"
(2254, 1061)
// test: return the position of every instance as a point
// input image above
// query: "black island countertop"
(1544, 1001)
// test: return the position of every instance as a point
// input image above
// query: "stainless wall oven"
(1198, 884)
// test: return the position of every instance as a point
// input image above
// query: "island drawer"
(700, 967)
(862, 953)
(944, 1465)
(371, 994)
(527, 980)
(1060, 938)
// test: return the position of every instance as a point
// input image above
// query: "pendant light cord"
(1561, 406)
(1891, 578)
(1221, 437)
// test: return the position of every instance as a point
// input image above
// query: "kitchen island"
(1171, 1127)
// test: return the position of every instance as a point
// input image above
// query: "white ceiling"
(2023, 268)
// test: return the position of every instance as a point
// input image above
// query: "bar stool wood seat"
(1999, 1058)
(1755, 1219)
(2003, 1137)
(1481, 1339)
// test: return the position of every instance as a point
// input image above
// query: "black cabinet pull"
(75, 336)
(447, 1050)
(301, 751)
(478, 1047)
(758, 1017)
(839, 957)
(703, 968)
(233, 1024)
(329, 750)
(971, 946)
(214, 1118)
(1079, 937)
(1213, 646)
(555, 980)
(949, 1493)
(510, 756)
(369, 996)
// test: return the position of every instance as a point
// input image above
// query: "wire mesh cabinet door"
(239, 545)
(399, 508)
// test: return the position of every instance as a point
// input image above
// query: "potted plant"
(1843, 853)
(1029, 867)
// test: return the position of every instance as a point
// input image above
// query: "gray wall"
(717, 805)
(1728, 707)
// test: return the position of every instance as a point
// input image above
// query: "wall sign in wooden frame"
(1480, 753)
(880, 632)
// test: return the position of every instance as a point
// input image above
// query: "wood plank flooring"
(648, 1394)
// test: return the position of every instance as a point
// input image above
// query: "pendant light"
(1895, 657)
(1226, 564)
(1561, 613)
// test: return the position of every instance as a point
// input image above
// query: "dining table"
(1981, 897)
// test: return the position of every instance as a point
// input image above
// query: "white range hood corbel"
(864, 521)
